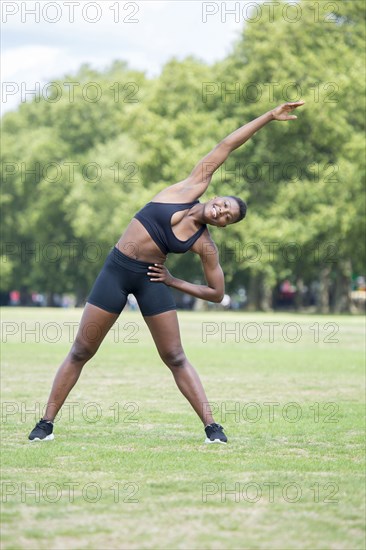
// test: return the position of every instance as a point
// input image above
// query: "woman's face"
(221, 211)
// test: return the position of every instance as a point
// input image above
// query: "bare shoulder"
(180, 192)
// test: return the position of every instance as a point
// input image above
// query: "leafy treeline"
(79, 160)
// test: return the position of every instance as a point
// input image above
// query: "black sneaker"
(42, 431)
(215, 434)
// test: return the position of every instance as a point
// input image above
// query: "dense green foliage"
(99, 159)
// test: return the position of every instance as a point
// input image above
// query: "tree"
(78, 164)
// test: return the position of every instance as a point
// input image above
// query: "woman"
(174, 221)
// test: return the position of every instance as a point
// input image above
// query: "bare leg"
(94, 325)
(164, 329)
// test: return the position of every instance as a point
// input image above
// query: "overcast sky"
(42, 41)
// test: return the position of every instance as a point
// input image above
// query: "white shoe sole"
(207, 440)
(47, 438)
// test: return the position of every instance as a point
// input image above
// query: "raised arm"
(202, 173)
(197, 182)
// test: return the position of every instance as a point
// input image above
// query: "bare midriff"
(136, 243)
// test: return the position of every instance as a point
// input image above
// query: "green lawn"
(128, 467)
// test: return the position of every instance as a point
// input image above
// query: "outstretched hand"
(282, 111)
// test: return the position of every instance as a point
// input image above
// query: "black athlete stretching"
(174, 221)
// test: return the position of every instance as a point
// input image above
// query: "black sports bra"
(156, 218)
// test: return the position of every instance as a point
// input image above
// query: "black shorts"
(121, 276)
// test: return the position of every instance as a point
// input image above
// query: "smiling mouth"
(214, 212)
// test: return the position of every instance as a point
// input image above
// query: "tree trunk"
(265, 293)
(324, 287)
(51, 302)
(259, 293)
(341, 302)
(299, 296)
(80, 296)
(253, 300)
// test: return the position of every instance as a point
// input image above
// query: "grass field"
(128, 468)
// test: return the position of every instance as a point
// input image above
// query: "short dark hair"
(242, 208)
